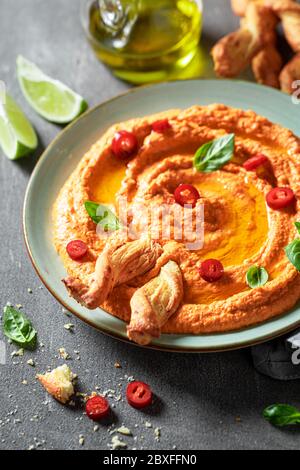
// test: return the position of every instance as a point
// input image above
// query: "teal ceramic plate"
(62, 156)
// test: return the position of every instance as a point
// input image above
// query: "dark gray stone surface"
(199, 397)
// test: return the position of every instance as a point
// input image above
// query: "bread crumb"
(20, 352)
(125, 431)
(63, 354)
(116, 443)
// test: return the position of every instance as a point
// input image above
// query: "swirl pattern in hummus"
(240, 230)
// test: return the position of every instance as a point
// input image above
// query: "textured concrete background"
(203, 401)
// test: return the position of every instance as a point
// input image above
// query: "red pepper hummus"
(154, 284)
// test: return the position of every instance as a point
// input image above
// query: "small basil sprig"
(282, 415)
(292, 251)
(256, 276)
(18, 328)
(102, 215)
(214, 154)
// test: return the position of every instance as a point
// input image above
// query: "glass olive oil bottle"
(144, 40)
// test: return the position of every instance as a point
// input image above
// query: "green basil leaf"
(293, 253)
(18, 328)
(214, 154)
(256, 277)
(297, 225)
(102, 215)
(282, 415)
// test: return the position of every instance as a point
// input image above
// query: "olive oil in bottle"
(145, 40)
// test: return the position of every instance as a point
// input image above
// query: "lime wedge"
(17, 136)
(50, 98)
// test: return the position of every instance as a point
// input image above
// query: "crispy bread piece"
(232, 53)
(154, 303)
(289, 13)
(289, 74)
(119, 263)
(59, 383)
(235, 51)
(266, 66)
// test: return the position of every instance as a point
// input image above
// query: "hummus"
(240, 230)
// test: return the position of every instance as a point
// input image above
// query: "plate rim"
(239, 344)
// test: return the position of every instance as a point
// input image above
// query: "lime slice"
(50, 98)
(17, 136)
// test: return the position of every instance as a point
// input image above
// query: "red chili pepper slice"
(161, 126)
(211, 270)
(77, 249)
(139, 395)
(124, 144)
(252, 163)
(186, 194)
(278, 198)
(97, 408)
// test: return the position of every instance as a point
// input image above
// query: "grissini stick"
(154, 303)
